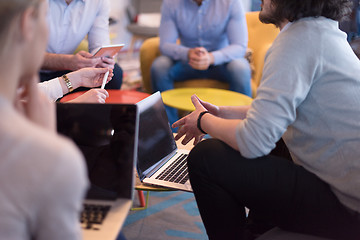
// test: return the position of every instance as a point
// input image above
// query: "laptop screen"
(105, 133)
(156, 139)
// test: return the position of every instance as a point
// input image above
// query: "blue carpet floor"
(170, 216)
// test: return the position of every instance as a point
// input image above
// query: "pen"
(104, 80)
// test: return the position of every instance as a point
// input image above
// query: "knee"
(161, 65)
(118, 72)
(159, 73)
(117, 79)
(203, 153)
(239, 76)
(239, 66)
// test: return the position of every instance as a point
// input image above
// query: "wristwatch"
(67, 82)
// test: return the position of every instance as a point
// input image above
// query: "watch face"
(67, 83)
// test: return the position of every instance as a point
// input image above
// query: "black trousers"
(277, 192)
(115, 83)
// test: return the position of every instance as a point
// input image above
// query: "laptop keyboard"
(93, 214)
(177, 172)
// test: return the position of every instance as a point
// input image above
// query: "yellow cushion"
(261, 37)
(83, 46)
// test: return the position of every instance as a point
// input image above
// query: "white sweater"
(52, 89)
(310, 95)
(42, 181)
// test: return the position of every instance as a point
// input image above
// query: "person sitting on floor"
(309, 97)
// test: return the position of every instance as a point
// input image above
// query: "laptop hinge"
(150, 171)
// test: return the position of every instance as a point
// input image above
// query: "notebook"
(159, 160)
(107, 136)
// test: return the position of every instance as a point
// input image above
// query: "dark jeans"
(115, 83)
(277, 192)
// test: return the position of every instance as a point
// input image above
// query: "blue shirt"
(69, 24)
(217, 25)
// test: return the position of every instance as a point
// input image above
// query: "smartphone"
(109, 51)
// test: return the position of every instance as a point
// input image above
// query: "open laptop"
(159, 161)
(107, 136)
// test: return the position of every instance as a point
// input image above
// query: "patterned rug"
(170, 216)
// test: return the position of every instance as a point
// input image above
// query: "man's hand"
(188, 124)
(213, 109)
(200, 58)
(106, 63)
(84, 59)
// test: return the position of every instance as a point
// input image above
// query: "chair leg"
(143, 201)
(131, 47)
(141, 198)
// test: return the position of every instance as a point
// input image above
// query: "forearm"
(56, 88)
(233, 112)
(174, 51)
(52, 89)
(75, 80)
(223, 129)
(64, 88)
(57, 62)
(229, 53)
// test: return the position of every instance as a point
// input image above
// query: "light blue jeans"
(165, 71)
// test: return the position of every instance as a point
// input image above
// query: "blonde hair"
(9, 10)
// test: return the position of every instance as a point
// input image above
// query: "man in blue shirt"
(213, 36)
(70, 21)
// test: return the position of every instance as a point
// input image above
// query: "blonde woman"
(42, 175)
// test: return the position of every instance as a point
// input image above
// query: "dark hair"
(293, 10)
